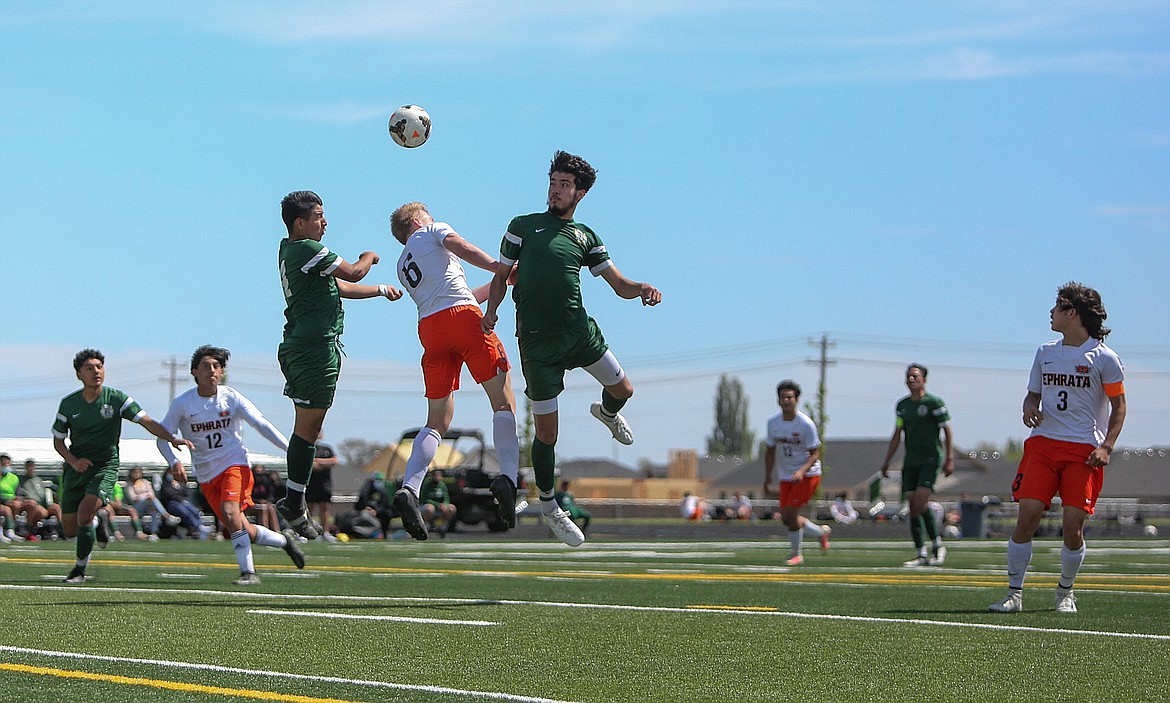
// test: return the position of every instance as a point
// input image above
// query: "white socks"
(1070, 564)
(796, 539)
(1019, 556)
(421, 454)
(507, 444)
(243, 547)
(267, 538)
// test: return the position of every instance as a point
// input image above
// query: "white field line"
(382, 618)
(598, 606)
(283, 675)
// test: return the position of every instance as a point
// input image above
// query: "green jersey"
(9, 482)
(434, 492)
(921, 421)
(312, 310)
(551, 252)
(95, 428)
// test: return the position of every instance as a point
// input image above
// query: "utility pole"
(824, 362)
(173, 380)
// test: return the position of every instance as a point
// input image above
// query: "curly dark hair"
(85, 355)
(218, 353)
(298, 203)
(1087, 302)
(788, 385)
(918, 366)
(584, 175)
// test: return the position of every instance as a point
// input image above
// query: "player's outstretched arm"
(470, 253)
(356, 271)
(628, 289)
(359, 291)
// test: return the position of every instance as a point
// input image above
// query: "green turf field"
(493, 618)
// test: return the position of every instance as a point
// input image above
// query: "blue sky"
(911, 179)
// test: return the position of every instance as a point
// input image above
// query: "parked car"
(462, 462)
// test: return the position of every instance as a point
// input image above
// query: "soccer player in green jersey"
(91, 419)
(554, 331)
(314, 280)
(920, 417)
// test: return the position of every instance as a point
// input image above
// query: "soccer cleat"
(75, 576)
(293, 549)
(795, 561)
(406, 504)
(825, 532)
(916, 562)
(301, 523)
(1013, 603)
(504, 491)
(618, 427)
(940, 556)
(102, 534)
(4, 539)
(1066, 600)
(247, 578)
(563, 527)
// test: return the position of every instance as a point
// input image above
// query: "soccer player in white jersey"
(450, 331)
(792, 436)
(211, 416)
(1075, 407)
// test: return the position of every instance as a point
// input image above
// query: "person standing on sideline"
(314, 280)
(211, 415)
(920, 416)
(1075, 406)
(553, 330)
(451, 334)
(792, 436)
(91, 419)
(319, 490)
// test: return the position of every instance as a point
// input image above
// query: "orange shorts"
(795, 494)
(451, 338)
(1050, 466)
(233, 485)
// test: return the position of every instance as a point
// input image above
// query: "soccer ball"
(410, 126)
(1151, 530)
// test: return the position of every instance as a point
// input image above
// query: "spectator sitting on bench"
(569, 505)
(437, 508)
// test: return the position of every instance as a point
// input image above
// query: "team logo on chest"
(106, 411)
(579, 236)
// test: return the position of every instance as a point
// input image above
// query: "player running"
(211, 416)
(1075, 407)
(91, 419)
(792, 436)
(451, 334)
(920, 416)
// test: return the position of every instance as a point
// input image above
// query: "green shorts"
(310, 372)
(544, 360)
(922, 474)
(98, 481)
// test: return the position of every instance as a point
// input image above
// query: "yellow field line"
(1157, 583)
(168, 685)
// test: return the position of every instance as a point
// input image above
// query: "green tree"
(731, 435)
(358, 452)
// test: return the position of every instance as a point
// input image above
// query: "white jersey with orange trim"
(431, 273)
(793, 440)
(213, 425)
(1075, 384)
